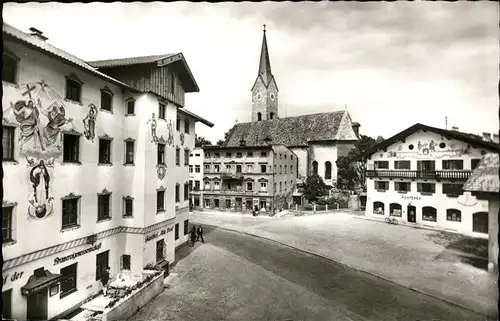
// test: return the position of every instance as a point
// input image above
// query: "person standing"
(193, 235)
(200, 234)
(105, 280)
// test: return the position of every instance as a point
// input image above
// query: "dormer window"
(74, 88)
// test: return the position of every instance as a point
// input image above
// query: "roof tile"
(128, 61)
(485, 177)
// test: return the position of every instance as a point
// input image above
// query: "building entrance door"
(411, 211)
(37, 305)
(6, 304)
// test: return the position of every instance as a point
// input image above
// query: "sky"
(390, 64)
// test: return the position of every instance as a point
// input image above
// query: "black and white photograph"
(248, 161)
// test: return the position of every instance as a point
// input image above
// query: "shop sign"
(155, 235)
(170, 229)
(72, 256)
(14, 277)
(411, 198)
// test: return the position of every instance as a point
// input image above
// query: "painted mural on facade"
(170, 139)
(40, 114)
(161, 170)
(425, 149)
(182, 138)
(153, 125)
(89, 123)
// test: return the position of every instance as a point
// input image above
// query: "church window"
(315, 167)
(271, 115)
(259, 116)
(328, 170)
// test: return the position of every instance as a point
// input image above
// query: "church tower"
(264, 90)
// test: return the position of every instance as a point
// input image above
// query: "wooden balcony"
(236, 192)
(461, 175)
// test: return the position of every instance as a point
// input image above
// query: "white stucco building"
(196, 176)
(95, 170)
(418, 176)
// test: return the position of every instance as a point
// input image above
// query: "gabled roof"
(128, 61)
(485, 177)
(176, 60)
(464, 137)
(15, 34)
(290, 131)
(196, 117)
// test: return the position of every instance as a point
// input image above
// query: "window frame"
(376, 164)
(122, 262)
(186, 126)
(101, 211)
(102, 157)
(177, 193)
(160, 153)
(73, 79)
(449, 215)
(397, 165)
(100, 267)
(186, 157)
(176, 232)
(158, 199)
(186, 227)
(186, 191)
(10, 226)
(177, 156)
(9, 55)
(64, 278)
(76, 217)
(129, 161)
(75, 151)
(160, 255)
(162, 110)
(128, 101)
(125, 213)
(11, 130)
(110, 94)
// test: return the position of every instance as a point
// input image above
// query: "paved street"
(240, 277)
(415, 258)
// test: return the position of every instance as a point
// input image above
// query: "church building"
(316, 139)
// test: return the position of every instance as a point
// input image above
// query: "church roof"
(485, 177)
(289, 131)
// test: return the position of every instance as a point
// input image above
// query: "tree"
(200, 141)
(220, 142)
(351, 169)
(314, 188)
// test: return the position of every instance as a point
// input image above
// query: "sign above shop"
(155, 235)
(72, 256)
(411, 198)
(14, 277)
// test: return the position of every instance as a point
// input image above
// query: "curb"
(355, 268)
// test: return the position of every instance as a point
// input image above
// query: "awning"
(39, 282)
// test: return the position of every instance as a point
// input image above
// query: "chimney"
(37, 33)
(355, 127)
(487, 137)
(455, 129)
(495, 139)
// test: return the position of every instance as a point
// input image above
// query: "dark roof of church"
(265, 62)
(485, 177)
(289, 131)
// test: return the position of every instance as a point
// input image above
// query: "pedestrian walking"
(200, 234)
(105, 280)
(193, 235)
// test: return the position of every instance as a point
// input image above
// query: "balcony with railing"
(461, 175)
(236, 191)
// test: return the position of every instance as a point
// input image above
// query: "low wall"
(136, 301)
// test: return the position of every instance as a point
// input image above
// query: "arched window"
(395, 209)
(328, 170)
(429, 214)
(378, 208)
(480, 222)
(259, 116)
(315, 167)
(453, 215)
(271, 115)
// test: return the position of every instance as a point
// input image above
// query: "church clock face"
(272, 96)
(258, 96)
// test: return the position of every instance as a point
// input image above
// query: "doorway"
(480, 222)
(412, 216)
(37, 305)
(6, 304)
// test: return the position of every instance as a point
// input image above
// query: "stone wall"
(135, 302)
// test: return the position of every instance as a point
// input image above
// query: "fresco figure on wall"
(154, 138)
(182, 138)
(41, 200)
(52, 131)
(432, 146)
(28, 116)
(170, 140)
(89, 123)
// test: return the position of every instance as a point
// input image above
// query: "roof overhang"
(195, 117)
(401, 136)
(179, 63)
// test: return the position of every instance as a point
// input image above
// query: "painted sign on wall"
(411, 198)
(155, 235)
(72, 256)
(14, 277)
